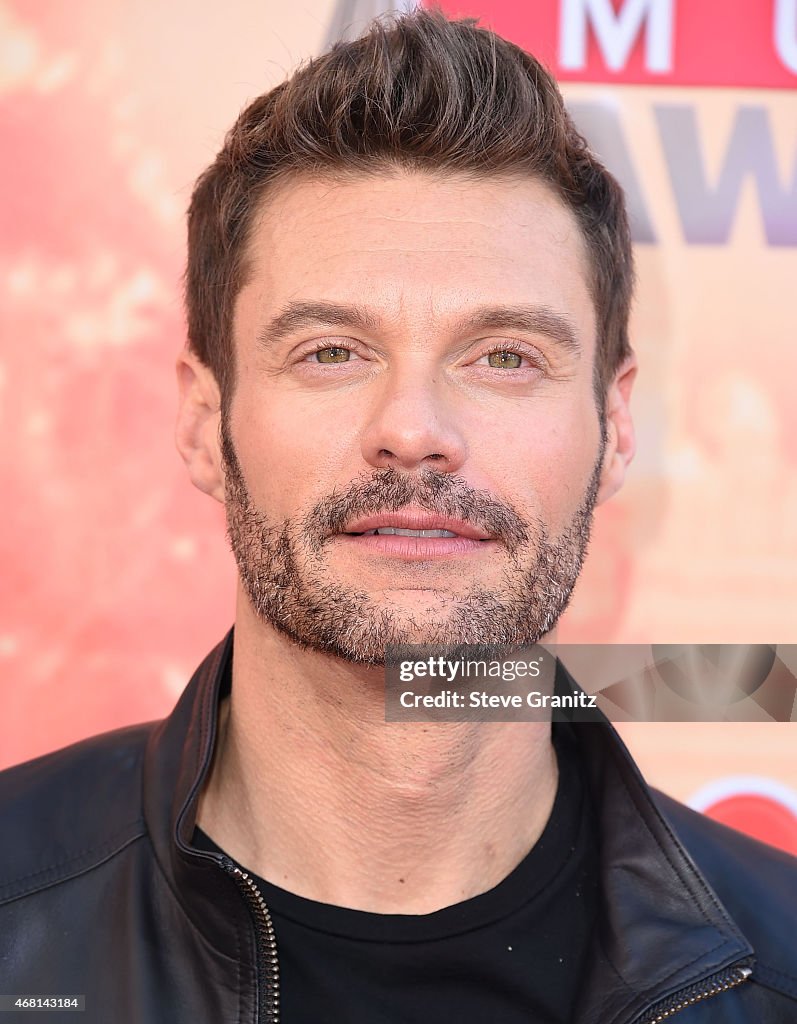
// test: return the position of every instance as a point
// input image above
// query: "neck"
(311, 789)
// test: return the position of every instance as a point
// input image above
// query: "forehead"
(418, 245)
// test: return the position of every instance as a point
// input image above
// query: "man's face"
(407, 284)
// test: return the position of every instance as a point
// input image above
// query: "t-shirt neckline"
(535, 873)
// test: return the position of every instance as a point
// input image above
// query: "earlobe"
(197, 428)
(620, 439)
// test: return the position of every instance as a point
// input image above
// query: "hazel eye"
(505, 359)
(331, 354)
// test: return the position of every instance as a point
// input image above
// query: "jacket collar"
(661, 927)
(176, 765)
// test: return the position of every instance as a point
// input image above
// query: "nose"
(412, 425)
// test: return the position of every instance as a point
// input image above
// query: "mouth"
(395, 531)
(415, 535)
(415, 522)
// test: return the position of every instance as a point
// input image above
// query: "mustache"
(389, 490)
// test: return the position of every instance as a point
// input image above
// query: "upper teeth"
(409, 533)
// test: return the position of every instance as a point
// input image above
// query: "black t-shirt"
(513, 955)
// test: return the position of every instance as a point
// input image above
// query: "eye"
(506, 358)
(329, 354)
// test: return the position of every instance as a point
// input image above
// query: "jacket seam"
(104, 851)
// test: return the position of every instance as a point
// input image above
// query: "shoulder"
(65, 812)
(756, 884)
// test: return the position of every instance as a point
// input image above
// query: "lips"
(417, 520)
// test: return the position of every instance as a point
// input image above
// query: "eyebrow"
(529, 319)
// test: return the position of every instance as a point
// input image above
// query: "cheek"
(292, 449)
(544, 454)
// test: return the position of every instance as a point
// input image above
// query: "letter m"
(616, 32)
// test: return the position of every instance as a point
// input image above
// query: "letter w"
(616, 33)
(707, 213)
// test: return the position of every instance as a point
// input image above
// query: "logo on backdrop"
(660, 42)
(762, 807)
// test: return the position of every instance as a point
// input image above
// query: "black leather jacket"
(103, 895)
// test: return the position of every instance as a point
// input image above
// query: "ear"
(198, 421)
(620, 439)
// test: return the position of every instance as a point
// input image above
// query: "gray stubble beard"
(282, 567)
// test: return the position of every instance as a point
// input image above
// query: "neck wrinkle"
(312, 790)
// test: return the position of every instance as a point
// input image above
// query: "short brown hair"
(416, 91)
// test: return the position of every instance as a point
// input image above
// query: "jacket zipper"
(266, 942)
(730, 977)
